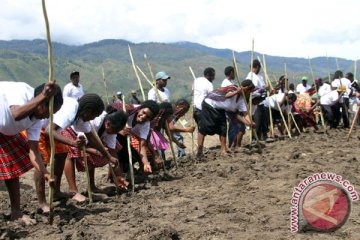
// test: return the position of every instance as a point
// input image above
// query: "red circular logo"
(325, 206)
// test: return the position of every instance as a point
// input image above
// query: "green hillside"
(27, 61)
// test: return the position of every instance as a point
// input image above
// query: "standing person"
(202, 87)
(303, 86)
(161, 82)
(338, 82)
(236, 129)
(133, 98)
(260, 111)
(22, 108)
(74, 89)
(352, 97)
(213, 118)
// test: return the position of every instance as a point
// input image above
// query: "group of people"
(83, 125)
(256, 104)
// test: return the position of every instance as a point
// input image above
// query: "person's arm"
(36, 159)
(174, 128)
(20, 112)
(96, 143)
(245, 119)
(144, 159)
(60, 138)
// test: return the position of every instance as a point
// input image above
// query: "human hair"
(247, 82)
(183, 102)
(152, 105)
(256, 64)
(90, 102)
(228, 70)
(166, 109)
(291, 86)
(58, 97)
(292, 96)
(209, 71)
(349, 75)
(338, 74)
(117, 119)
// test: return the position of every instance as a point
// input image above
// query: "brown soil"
(244, 196)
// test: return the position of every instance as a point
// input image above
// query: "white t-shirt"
(226, 82)
(65, 117)
(108, 139)
(329, 99)
(256, 79)
(230, 104)
(165, 95)
(141, 130)
(301, 89)
(202, 87)
(70, 90)
(272, 101)
(343, 81)
(17, 93)
(324, 89)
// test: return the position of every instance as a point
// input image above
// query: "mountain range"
(26, 60)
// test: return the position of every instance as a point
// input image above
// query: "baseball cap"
(304, 78)
(133, 91)
(118, 93)
(161, 75)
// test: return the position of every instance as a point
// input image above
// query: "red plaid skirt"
(76, 154)
(14, 156)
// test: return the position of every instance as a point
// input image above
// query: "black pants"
(332, 114)
(196, 115)
(345, 112)
(261, 119)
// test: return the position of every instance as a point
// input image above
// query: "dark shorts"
(212, 121)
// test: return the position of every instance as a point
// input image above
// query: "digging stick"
(136, 73)
(105, 85)
(353, 123)
(87, 174)
(51, 114)
(166, 124)
(129, 152)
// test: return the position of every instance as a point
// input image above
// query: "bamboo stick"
(51, 114)
(159, 97)
(245, 101)
(353, 123)
(317, 98)
(250, 98)
(105, 85)
(277, 103)
(130, 153)
(136, 73)
(87, 174)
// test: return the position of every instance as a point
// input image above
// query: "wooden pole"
(105, 85)
(353, 123)
(313, 80)
(136, 73)
(245, 101)
(87, 174)
(277, 103)
(51, 114)
(166, 124)
(167, 129)
(130, 153)
(251, 78)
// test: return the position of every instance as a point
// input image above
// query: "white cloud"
(279, 27)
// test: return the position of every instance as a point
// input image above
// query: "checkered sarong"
(76, 154)
(14, 156)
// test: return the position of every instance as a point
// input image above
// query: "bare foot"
(44, 208)
(79, 197)
(24, 219)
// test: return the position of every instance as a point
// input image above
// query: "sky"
(290, 28)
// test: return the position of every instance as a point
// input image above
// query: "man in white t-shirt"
(74, 89)
(338, 82)
(303, 86)
(202, 86)
(330, 106)
(161, 82)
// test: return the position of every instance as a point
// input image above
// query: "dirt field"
(245, 196)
